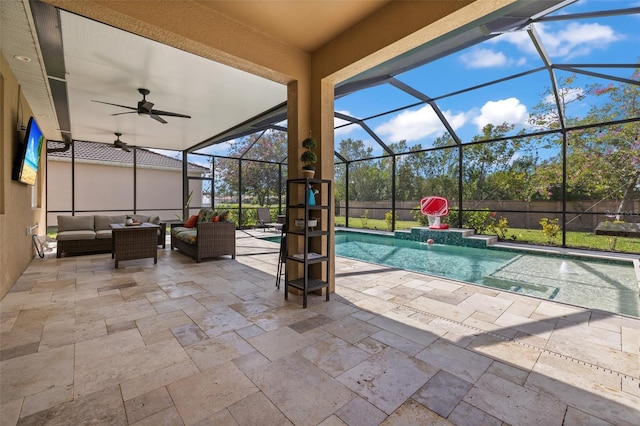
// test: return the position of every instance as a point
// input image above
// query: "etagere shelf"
(312, 247)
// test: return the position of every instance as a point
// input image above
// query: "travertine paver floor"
(215, 344)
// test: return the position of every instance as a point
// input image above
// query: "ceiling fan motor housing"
(145, 107)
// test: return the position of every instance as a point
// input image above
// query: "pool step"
(452, 236)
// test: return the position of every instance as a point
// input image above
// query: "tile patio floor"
(216, 344)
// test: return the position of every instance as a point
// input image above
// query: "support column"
(310, 108)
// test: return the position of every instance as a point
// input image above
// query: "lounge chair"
(264, 219)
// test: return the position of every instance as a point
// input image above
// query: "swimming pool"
(589, 283)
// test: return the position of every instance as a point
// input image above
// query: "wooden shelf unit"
(318, 238)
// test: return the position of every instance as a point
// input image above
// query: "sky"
(603, 40)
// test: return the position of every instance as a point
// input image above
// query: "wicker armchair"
(212, 239)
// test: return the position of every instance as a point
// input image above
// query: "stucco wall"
(107, 188)
(16, 213)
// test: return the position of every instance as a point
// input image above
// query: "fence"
(582, 215)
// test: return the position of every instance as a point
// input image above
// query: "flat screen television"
(25, 168)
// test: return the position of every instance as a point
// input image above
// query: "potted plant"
(309, 157)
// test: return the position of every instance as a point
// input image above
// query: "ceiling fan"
(146, 108)
(120, 144)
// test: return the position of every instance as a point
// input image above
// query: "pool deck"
(215, 343)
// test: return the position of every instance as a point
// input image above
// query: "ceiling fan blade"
(169, 114)
(121, 145)
(121, 106)
(145, 106)
(158, 118)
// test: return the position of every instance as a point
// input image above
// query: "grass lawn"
(586, 240)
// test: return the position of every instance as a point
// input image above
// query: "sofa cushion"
(76, 235)
(102, 222)
(176, 229)
(206, 214)
(103, 234)
(188, 236)
(139, 218)
(75, 223)
(154, 219)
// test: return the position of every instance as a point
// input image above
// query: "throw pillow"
(216, 219)
(191, 222)
(206, 214)
(223, 216)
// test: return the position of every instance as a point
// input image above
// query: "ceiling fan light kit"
(120, 144)
(146, 108)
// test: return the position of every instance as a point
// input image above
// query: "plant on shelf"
(309, 157)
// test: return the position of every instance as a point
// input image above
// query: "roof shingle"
(92, 151)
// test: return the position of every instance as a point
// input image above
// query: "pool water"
(460, 263)
(593, 284)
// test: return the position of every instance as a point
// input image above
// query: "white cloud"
(423, 122)
(483, 58)
(574, 40)
(488, 58)
(340, 122)
(520, 39)
(497, 112)
(569, 94)
(417, 124)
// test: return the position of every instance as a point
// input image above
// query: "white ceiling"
(109, 65)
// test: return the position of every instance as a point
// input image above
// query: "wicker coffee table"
(134, 241)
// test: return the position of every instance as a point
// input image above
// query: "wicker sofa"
(206, 239)
(79, 235)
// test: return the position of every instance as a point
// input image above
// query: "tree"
(602, 162)
(621, 143)
(369, 180)
(490, 168)
(513, 183)
(409, 171)
(259, 179)
(439, 169)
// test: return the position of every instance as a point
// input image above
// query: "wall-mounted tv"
(25, 168)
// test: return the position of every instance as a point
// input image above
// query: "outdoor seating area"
(216, 343)
(79, 235)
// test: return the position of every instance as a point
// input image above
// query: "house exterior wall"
(108, 189)
(16, 211)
